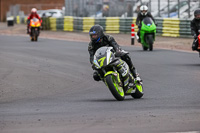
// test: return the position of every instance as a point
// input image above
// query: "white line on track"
(186, 132)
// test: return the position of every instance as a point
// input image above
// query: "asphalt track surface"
(47, 87)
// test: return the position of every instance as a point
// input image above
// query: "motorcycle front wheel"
(36, 35)
(32, 34)
(115, 89)
(35, 38)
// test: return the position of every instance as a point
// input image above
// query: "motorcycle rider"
(195, 26)
(141, 15)
(31, 16)
(99, 39)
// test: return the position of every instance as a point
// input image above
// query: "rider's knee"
(96, 76)
(194, 45)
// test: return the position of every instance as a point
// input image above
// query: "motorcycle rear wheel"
(115, 89)
(149, 40)
(139, 92)
(145, 48)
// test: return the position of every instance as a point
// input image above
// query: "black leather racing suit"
(108, 40)
(195, 26)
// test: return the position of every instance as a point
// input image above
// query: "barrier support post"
(132, 34)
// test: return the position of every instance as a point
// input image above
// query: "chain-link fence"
(25, 9)
(99, 8)
(130, 8)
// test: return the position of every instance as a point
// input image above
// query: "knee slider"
(96, 76)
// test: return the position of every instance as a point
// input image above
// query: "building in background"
(183, 9)
(23, 7)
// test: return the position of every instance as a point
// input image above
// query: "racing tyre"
(32, 34)
(36, 35)
(35, 38)
(115, 89)
(149, 40)
(145, 48)
(138, 92)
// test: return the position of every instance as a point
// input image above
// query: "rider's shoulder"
(193, 20)
(139, 14)
(90, 43)
(149, 13)
(90, 46)
(109, 37)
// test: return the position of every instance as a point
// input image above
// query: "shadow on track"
(187, 65)
(156, 50)
(110, 100)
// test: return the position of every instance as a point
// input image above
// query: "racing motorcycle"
(147, 33)
(34, 29)
(198, 47)
(104, 59)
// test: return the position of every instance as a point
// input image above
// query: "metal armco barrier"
(88, 22)
(53, 24)
(112, 25)
(45, 23)
(68, 23)
(172, 27)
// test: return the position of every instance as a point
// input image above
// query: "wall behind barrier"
(172, 27)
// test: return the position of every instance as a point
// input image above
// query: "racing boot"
(136, 75)
(195, 45)
(27, 32)
(131, 86)
(138, 36)
(139, 40)
(27, 29)
(138, 79)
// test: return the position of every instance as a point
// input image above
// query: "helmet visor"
(33, 13)
(144, 11)
(94, 36)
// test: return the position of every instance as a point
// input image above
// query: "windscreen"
(35, 19)
(101, 52)
(147, 21)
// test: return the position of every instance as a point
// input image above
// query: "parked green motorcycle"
(147, 33)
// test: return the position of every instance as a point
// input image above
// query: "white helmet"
(33, 10)
(143, 10)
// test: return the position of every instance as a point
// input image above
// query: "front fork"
(129, 89)
(116, 74)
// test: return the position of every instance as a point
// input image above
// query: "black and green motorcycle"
(103, 63)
